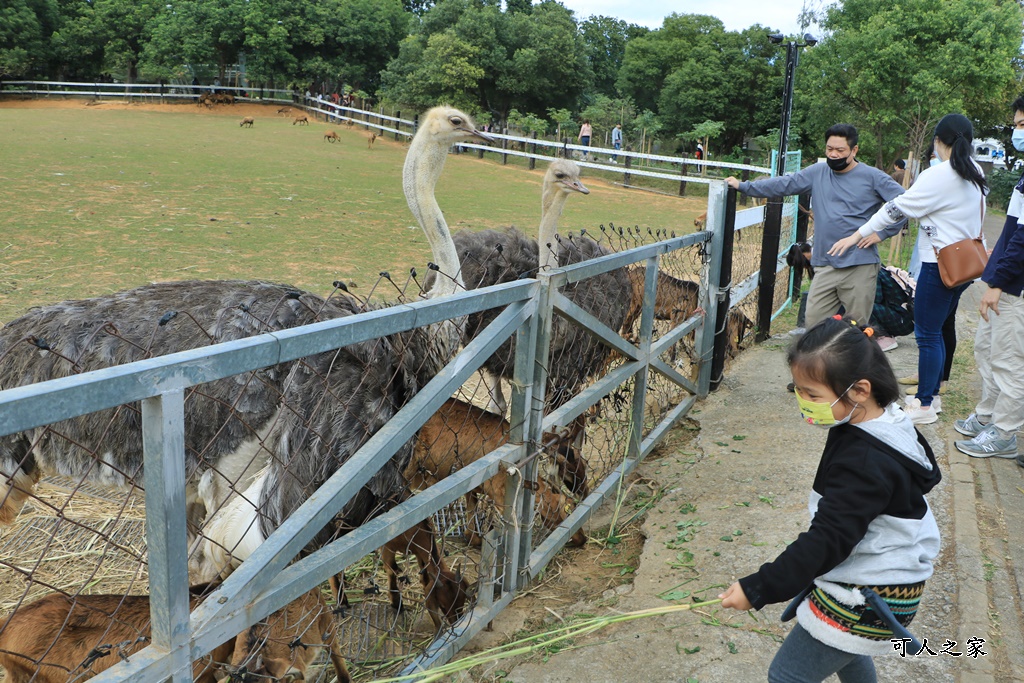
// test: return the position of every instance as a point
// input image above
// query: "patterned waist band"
(862, 620)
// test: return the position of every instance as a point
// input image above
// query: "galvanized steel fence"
(655, 367)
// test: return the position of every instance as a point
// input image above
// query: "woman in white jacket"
(949, 202)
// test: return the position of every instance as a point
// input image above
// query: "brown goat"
(247, 121)
(282, 646)
(304, 120)
(58, 637)
(331, 136)
(444, 590)
(675, 299)
(461, 433)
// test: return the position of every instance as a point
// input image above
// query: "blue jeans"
(802, 659)
(934, 303)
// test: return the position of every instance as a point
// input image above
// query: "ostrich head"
(564, 176)
(440, 128)
(561, 180)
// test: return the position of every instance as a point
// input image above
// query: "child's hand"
(735, 598)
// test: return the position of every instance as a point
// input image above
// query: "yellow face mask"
(820, 414)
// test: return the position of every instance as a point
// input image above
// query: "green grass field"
(102, 198)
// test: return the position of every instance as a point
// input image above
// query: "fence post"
(565, 148)
(398, 124)
(415, 123)
(163, 444)
(549, 282)
(504, 145)
(705, 338)
(724, 291)
(745, 176)
(636, 419)
(533, 150)
(769, 266)
(626, 178)
(682, 183)
(803, 209)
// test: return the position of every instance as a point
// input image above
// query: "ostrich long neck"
(552, 203)
(423, 166)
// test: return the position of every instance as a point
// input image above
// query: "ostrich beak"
(576, 186)
(474, 133)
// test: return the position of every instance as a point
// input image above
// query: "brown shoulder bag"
(965, 260)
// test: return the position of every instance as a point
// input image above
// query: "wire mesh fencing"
(259, 443)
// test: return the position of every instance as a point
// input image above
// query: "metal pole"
(773, 212)
(724, 289)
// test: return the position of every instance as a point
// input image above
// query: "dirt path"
(736, 498)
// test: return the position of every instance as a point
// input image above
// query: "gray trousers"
(852, 288)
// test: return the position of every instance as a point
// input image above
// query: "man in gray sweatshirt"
(844, 194)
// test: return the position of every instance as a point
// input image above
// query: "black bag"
(894, 306)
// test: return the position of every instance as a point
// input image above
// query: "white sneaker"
(937, 404)
(919, 414)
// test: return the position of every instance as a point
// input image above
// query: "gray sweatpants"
(802, 659)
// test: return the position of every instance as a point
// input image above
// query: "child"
(871, 527)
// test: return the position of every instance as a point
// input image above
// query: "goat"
(58, 637)
(247, 121)
(225, 98)
(675, 299)
(331, 136)
(444, 590)
(282, 646)
(461, 433)
(371, 138)
(304, 120)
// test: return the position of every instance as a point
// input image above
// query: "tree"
(25, 26)
(195, 32)
(527, 61)
(703, 133)
(605, 39)
(126, 27)
(894, 69)
(692, 69)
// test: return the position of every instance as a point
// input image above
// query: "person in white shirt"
(949, 202)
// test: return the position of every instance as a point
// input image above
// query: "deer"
(304, 120)
(331, 136)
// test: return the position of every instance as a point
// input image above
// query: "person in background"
(858, 573)
(699, 153)
(949, 202)
(899, 169)
(845, 193)
(616, 140)
(586, 132)
(949, 326)
(999, 344)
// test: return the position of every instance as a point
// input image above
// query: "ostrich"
(490, 257)
(292, 424)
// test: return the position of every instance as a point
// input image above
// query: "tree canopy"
(892, 69)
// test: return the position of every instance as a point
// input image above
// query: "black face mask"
(838, 164)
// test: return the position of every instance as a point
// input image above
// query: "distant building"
(990, 150)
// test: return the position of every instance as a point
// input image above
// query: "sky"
(735, 14)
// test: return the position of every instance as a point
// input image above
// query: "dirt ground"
(240, 109)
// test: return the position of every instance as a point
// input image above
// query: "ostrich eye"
(455, 121)
(559, 175)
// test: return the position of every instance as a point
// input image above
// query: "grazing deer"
(304, 120)
(331, 136)
(284, 110)
(247, 121)
(373, 136)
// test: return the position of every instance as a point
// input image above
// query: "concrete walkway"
(742, 497)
